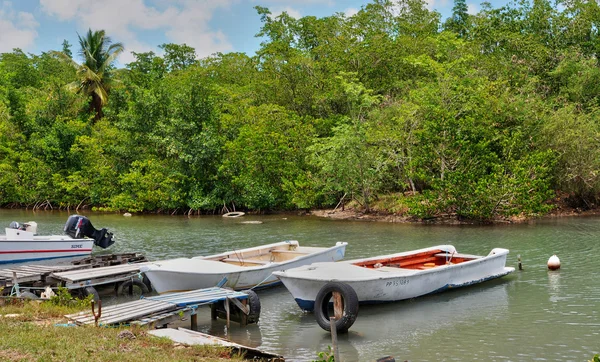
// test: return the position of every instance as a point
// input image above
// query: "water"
(530, 315)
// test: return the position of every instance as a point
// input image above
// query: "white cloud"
(17, 29)
(472, 9)
(288, 9)
(182, 21)
(436, 4)
(350, 12)
(283, 3)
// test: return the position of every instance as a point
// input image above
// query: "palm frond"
(64, 58)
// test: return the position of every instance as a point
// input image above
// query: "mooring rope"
(264, 280)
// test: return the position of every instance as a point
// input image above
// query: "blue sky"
(141, 25)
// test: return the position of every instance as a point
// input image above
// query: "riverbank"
(35, 330)
(384, 211)
(560, 209)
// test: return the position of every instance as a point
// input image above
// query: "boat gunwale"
(164, 268)
(369, 273)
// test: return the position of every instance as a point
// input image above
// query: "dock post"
(213, 311)
(243, 315)
(226, 303)
(519, 260)
(338, 305)
(97, 316)
(194, 321)
(334, 342)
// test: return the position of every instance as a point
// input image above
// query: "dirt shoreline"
(447, 219)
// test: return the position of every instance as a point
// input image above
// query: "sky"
(209, 26)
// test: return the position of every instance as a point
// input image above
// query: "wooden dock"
(186, 336)
(163, 309)
(111, 259)
(29, 274)
(81, 278)
(79, 274)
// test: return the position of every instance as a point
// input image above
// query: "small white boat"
(394, 277)
(21, 243)
(237, 269)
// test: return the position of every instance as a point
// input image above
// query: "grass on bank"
(29, 333)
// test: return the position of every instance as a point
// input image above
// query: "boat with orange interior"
(393, 277)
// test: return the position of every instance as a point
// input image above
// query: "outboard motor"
(78, 227)
(28, 226)
(16, 225)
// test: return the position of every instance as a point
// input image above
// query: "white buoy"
(127, 214)
(553, 262)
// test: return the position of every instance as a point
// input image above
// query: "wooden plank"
(239, 304)
(78, 275)
(186, 336)
(165, 318)
(87, 317)
(245, 261)
(199, 296)
(338, 305)
(10, 271)
(124, 312)
(32, 269)
(145, 310)
(110, 259)
(21, 278)
(290, 252)
(410, 262)
(100, 281)
(8, 274)
(384, 261)
(113, 309)
(136, 314)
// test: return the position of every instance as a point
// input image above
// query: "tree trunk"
(96, 107)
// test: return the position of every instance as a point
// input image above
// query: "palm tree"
(95, 74)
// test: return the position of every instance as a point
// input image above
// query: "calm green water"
(531, 315)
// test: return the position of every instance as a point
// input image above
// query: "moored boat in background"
(237, 269)
(21, 242)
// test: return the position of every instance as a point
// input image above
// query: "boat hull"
(42, 248)
(391, 284)
(197, 273)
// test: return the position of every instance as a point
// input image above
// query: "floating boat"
(21, 243)
(394, 277)
(237, 269)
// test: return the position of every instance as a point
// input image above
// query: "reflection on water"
(554, 285)
(385, 329)
(530, 315)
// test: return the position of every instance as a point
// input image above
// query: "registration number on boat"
(397, 282)
(76, 246)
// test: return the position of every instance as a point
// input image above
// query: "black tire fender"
(146, 281)
(90, 291)
(28, 295)
(126, 287)
(253, 306)
(350, 306)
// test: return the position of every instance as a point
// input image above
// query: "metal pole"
(16, 284)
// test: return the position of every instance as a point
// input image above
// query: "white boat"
(21, 243)
(394, 277)
(237, 269)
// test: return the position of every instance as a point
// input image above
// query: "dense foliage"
(479, 116)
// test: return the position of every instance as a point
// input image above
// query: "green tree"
(266, 159)
(66, 48)
(95, 74)
(346, 161)
(178, 56)
(459, 21)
